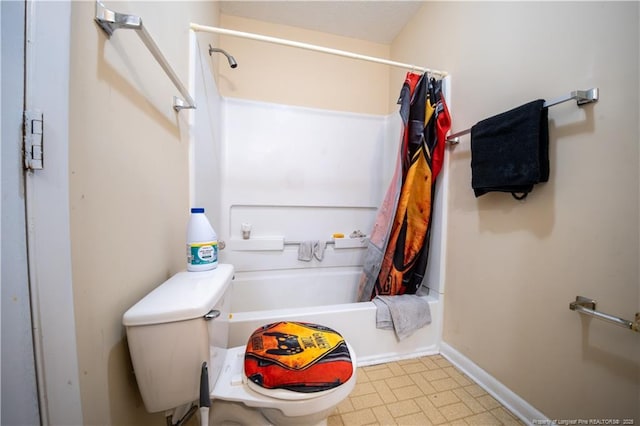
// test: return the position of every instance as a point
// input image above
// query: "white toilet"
(183, 323)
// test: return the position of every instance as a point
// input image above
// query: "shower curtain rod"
(313, 47)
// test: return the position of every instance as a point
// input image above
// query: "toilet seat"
(299, 357)
(285, 394)
(231, 386)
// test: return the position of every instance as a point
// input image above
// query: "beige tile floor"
(422, 391)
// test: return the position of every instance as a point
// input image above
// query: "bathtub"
(325, 296)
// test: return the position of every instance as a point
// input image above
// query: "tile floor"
(422, 391)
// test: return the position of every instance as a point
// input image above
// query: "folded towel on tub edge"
(404, 313)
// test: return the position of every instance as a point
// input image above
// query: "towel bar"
(278, 243)
(110, 21)
(294, 243)
(582, 97)
(587, 306)
(340, 243)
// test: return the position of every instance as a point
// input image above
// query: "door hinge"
(33, 136)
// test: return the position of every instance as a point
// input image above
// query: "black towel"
(510, 151)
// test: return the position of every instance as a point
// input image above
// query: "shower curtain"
(398, 250)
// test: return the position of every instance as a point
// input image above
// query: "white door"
(19, 391)
(39, 204)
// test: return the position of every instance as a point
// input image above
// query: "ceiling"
(372, 20)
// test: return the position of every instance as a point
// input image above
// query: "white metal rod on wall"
(307, 46)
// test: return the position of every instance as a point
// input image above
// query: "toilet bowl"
(238, 401)
(184, 322)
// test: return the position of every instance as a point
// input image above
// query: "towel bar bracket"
(587, 306)
(583, 97)
(584, 302)
(179, 104)
(110, 20)
(453, 141)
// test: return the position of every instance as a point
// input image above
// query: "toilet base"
(276, 416)
(228, 413)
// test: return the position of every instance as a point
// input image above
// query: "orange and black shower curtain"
(398, 250)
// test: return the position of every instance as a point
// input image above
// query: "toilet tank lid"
(184, 296)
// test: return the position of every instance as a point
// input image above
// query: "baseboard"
(393, 357)
(518, 406)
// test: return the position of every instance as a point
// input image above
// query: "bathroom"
(511, 268)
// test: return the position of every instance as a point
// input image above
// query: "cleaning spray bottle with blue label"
(202, 243)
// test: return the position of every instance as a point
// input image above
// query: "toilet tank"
(169, 337)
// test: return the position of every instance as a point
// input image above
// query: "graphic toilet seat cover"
(297, 356)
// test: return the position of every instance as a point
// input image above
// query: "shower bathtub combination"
(302, 189)
(325, 296)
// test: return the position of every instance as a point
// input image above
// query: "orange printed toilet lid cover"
(297, 356)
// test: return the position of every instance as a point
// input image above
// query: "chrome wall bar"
(587, 306)
(582, 97)
(297, 243)
(110, 21)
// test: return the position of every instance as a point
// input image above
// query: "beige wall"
(283, 74)
(513, 267)
(129, 188)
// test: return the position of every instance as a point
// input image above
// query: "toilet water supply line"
(184, 413)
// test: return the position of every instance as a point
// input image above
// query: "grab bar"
(110, 21)
(582, 97)
(587, 306)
